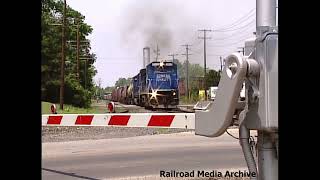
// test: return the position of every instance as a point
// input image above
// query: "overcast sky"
(122, 28)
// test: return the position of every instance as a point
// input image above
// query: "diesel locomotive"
(156, 86)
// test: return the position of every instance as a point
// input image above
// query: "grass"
(45, 107)
(67, 109)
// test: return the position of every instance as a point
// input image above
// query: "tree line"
(76, 92)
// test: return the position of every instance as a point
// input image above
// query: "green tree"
(109, 89)
(196, 74)
(213, 78)
(76, 93)
(122, 82)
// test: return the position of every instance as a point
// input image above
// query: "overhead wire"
(239, 21)
(251, 22)
(231, 43)
(198, 51)
(235, 34)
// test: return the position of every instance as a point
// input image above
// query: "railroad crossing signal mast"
(258, 68)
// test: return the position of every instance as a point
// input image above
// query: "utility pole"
(99, 83)
(78, 51)
(100, 87)
(85, 70)
(63, 55)
(205, 58)
(173, 56)
(187, 68)
(157, 53)
(220, 64)
(85, 74)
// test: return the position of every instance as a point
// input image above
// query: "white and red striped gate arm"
(165, 120)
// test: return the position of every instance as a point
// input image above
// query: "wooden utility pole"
(63, 55)
(85, 70)
(78, 51)
(157, 53)
(173, 56)
(220, 64)
(205, 58)
(187, 69)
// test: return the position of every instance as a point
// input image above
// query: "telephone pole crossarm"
(173, 56)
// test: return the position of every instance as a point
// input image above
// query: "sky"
(122, 28)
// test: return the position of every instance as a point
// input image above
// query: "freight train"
(156, 86)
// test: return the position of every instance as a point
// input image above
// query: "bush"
(50, 92)
(75, 94)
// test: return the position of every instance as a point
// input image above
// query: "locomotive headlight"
(174, 93)
(154, 94)
(161, 64)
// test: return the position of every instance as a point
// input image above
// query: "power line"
(198, 51)
(233, 43)
(236, 33)
(223, 43)
(173, 56)
(180, 51)
(237, 21)
(254, 20)
(196, 43)
(194, 35)
(240, 19)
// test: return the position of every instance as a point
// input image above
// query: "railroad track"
(134, 108)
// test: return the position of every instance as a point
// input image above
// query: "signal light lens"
(53, 109)
(111, 107)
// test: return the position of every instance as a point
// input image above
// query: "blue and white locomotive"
(156, 86)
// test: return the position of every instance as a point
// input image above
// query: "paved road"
(139, 156)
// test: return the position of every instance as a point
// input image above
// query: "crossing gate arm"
(158, 120)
